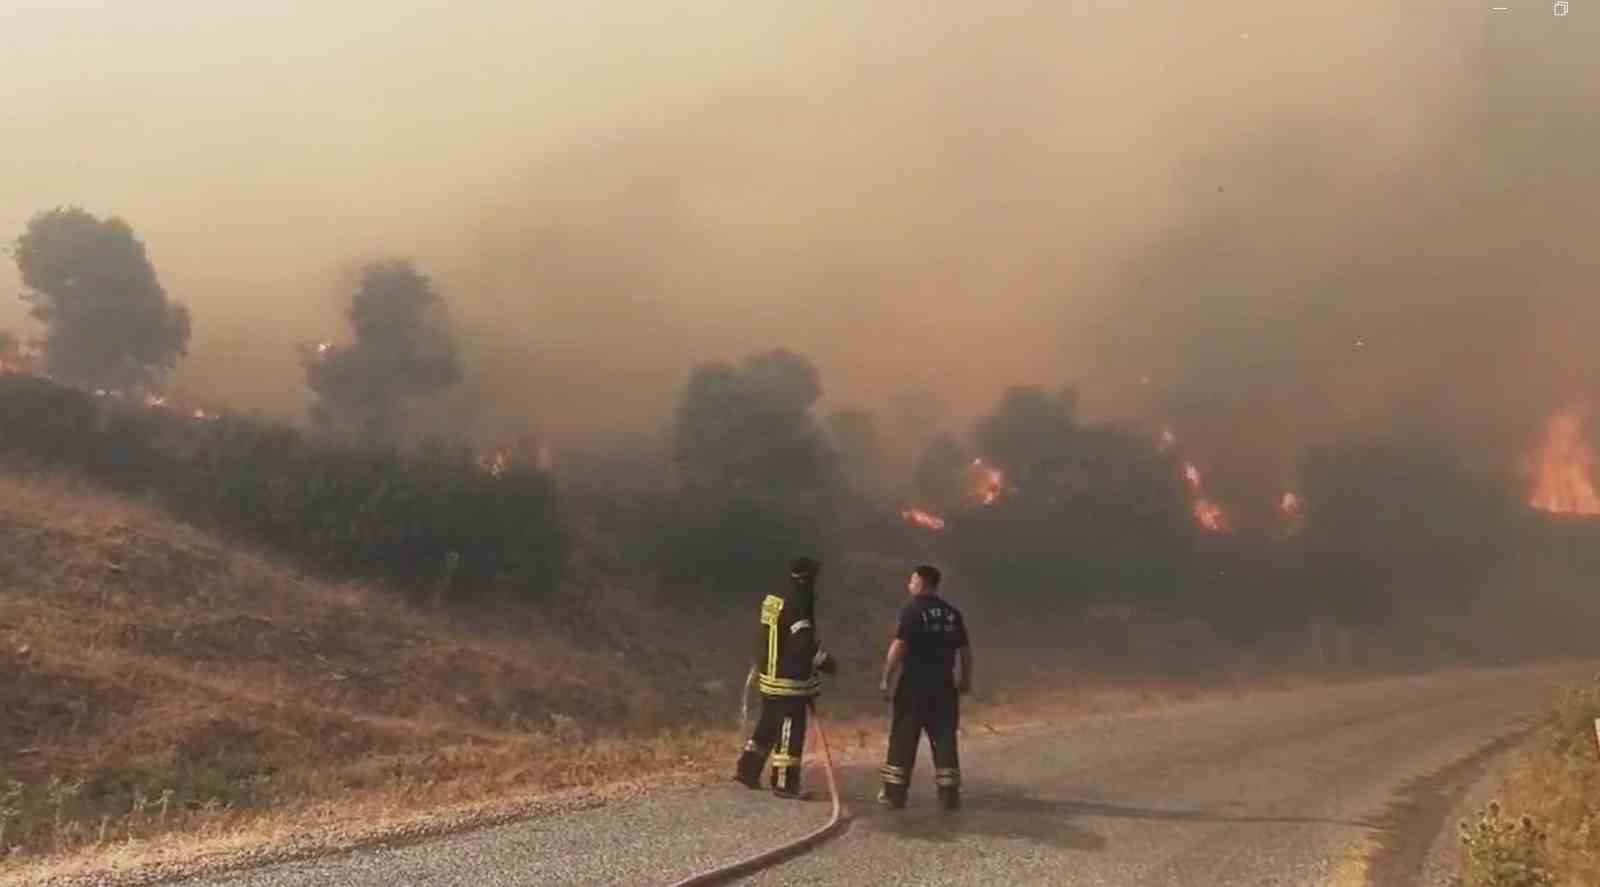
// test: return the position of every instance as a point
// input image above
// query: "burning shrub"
(342, 507)
(1101, 516)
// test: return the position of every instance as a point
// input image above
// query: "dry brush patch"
(156, 680)
(1545, 826)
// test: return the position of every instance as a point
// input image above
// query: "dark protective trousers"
(935, 711)
(781, 733)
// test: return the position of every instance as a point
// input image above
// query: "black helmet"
(803, 569)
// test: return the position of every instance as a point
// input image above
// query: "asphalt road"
(1276, 788)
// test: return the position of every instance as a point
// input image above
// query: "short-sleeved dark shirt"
(933, 631)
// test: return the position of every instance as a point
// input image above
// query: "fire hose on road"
(726, 873)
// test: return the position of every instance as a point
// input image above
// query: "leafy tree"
(749, 430)
(109, 322)
(1399, 515)
(403, 350)
(1086, 513)
(940, 475)
(855, 435)
(1027, 431)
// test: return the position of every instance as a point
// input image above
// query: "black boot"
(748, 771)
(950, 798)
(786, 782)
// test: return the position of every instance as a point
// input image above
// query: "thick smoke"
(1310, 289)
(1296, 221)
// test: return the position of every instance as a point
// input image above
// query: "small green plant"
(1503, 852)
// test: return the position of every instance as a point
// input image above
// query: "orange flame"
(1292, 504)
(496, 465)
(990, 482)
(1210, 515)
(1563, 467)
(921, 518)
(1168, 441)
(1206, 512)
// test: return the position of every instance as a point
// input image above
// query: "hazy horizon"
(1292, 220)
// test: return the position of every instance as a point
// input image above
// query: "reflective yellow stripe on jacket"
(768, 682)
(770, 686)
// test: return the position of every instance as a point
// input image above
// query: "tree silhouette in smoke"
(1029, 432)
(749, 429)
(403, 349)
(1088, 511)
(939, 476)
(1400, 515)
(855, 436)
(110, 324)
(758, 478)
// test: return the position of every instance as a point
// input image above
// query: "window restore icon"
(1561, 7)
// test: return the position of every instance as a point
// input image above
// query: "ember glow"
(496, 464)
(1206, 512)
(1291, 504)
(1168, 441)
(922, 518)
(989, 483)
(1563, 467)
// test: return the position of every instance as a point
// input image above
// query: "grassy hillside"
(154, 678)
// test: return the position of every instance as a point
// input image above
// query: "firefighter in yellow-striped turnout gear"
(787, 666)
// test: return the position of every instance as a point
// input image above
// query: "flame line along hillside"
(411, 518)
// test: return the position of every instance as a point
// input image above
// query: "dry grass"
(156, 680)
(1555, 783)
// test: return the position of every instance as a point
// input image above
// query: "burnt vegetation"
(1032, 506)
(1057, 513)
(339, 508)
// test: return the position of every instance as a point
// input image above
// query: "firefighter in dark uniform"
(929, 639)
(787, 665)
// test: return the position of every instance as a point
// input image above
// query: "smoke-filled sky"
(1292, 218)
